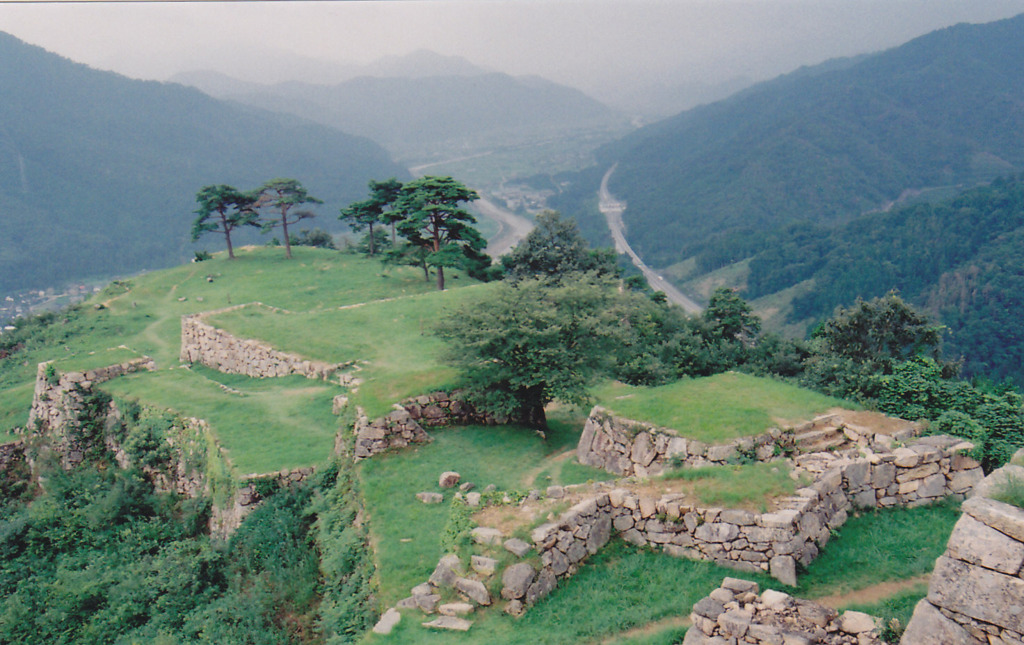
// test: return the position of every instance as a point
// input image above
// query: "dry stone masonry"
(404, 426)
(737, 613)
(976, 594)
(59, 401)
(203, 343)
(626, 447)
(775, 542)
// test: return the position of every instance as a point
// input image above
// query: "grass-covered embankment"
(717, 408)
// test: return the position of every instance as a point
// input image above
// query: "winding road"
(511, 227)
(612, 210)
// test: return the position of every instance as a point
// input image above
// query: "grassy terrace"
(264, 425)
(622, 589)
(144, 313)
(399, 355)
(717, 408)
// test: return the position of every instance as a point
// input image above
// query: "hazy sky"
(591, 44)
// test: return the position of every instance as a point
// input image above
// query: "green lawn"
(143, 314)
(717, 408)
(263, 425)
(394, 339)
(751, 486)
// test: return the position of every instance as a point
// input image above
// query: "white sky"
(591, 44)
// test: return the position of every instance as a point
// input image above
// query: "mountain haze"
(410, 115)
(825, 144)
(98, 172)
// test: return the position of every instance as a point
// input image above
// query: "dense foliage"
(959, 259)
(101, 558)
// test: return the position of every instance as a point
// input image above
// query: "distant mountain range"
(827, 143)
(414, 103)
(98, 172)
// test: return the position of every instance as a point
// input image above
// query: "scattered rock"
(486, 535)
(473, 499)
(447, 570)
(430, 498)
(387, 622)
(474, 590)
(517, 547)
(449, 479)
(483, 565)
(455, 609)
(450, 623)
(465, 487)
(516, 580)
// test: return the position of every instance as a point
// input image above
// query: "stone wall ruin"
(203, 343)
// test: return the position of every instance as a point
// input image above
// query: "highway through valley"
(612, 210)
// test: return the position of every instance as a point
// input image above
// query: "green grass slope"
(717, 408)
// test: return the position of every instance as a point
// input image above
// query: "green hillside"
(825, 144)
(98, 172)
(960, 259)
(318, 563)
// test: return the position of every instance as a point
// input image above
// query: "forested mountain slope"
(826, 144)
(962, 259)
(98, 172)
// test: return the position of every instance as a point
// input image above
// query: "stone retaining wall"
(404, 425)
(626, 447)
(773, 542)
(58, 403)
(203, 343)
(736, 613)
(976, 594)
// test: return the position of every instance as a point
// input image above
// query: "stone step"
(819, 440)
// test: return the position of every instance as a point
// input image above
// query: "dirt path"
(531, 475)
(872, 594)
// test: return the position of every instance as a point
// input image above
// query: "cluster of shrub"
(98, 556)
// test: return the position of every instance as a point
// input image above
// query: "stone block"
(928, 626)
(783, 569)
(643, 452)
(857, 474)
(455, 609)
(933, 486)
(599, 534)
(483, 565)
(979, 593)
(541, 587)
(387, 622)
(716, 532)
(975, 543)
(737, 517)
(855, 622)
(516, 580)
(447, 570)
(1002, 517)
(474, 590)
(517, 547)
(906, 458)
(486, 535)
(721, 453)
(919, 472)
(449, 623)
